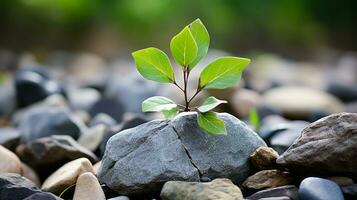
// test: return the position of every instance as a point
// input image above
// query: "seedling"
(187, 48)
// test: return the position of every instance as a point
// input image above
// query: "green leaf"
(158, 104)
(201, 36)
(153, 64)
(209, 104)
(183, 47)
(254, 118)
(209, 122)
(223, 72)
(170, 114)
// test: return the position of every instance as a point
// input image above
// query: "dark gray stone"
(131, 90)
(349, 191)
(283, 139)
(7, 98)
(109, 106)
(314, 188)
(288, 190)
(15, 187)
(9, 138)
(141, 159)
(33, 85)
(327, 146)
(42, 122)
(346, 93)
(45, 155)
(217, 156)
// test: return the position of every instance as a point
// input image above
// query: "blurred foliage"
(233, 23)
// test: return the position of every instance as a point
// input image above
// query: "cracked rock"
(140, 160)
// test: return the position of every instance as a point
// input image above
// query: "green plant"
(188, 47)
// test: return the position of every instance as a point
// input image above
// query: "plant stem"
(178, 86)
(185, 81)
(197, 91)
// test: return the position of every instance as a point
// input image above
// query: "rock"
(14, 187)
(346, 93)
(176, 150)
(10, 163)
(268, 179)
(300, 102)
(93, 137)
(205, 152)
(271, 125)
(264, 158)
(283, 139)
(276, 198)
(45, 122)
(88, 188)
(288, 190)
(130, 120)
(349, 191)
(341, 180)
(7, 98)
(351, 107)
(33, 86)
(48, 103)
(130, 91)
(43, 196)
(109, 106)
(152, 149)
(82, 99)
(96, 167)
(327, 146)
(47, 154)
(120, 198)
(104, 119)
(66, 175)
(9, 138)
(82, 116)
(243, 101)
(30, 174)
(217, 189)
(319, 189)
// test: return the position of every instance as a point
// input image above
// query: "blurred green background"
(293, 28)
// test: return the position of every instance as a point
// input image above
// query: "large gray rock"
(218, 156)
(327, 146)
(42, 122)
(142, 159)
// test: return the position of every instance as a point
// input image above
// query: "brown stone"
(268, 179)
(264, 158)
(217, 189)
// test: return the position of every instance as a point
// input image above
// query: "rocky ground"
(73, 129)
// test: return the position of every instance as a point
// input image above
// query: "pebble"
(10, 163)
(66, 175)
(314, 188)
(88, 188)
